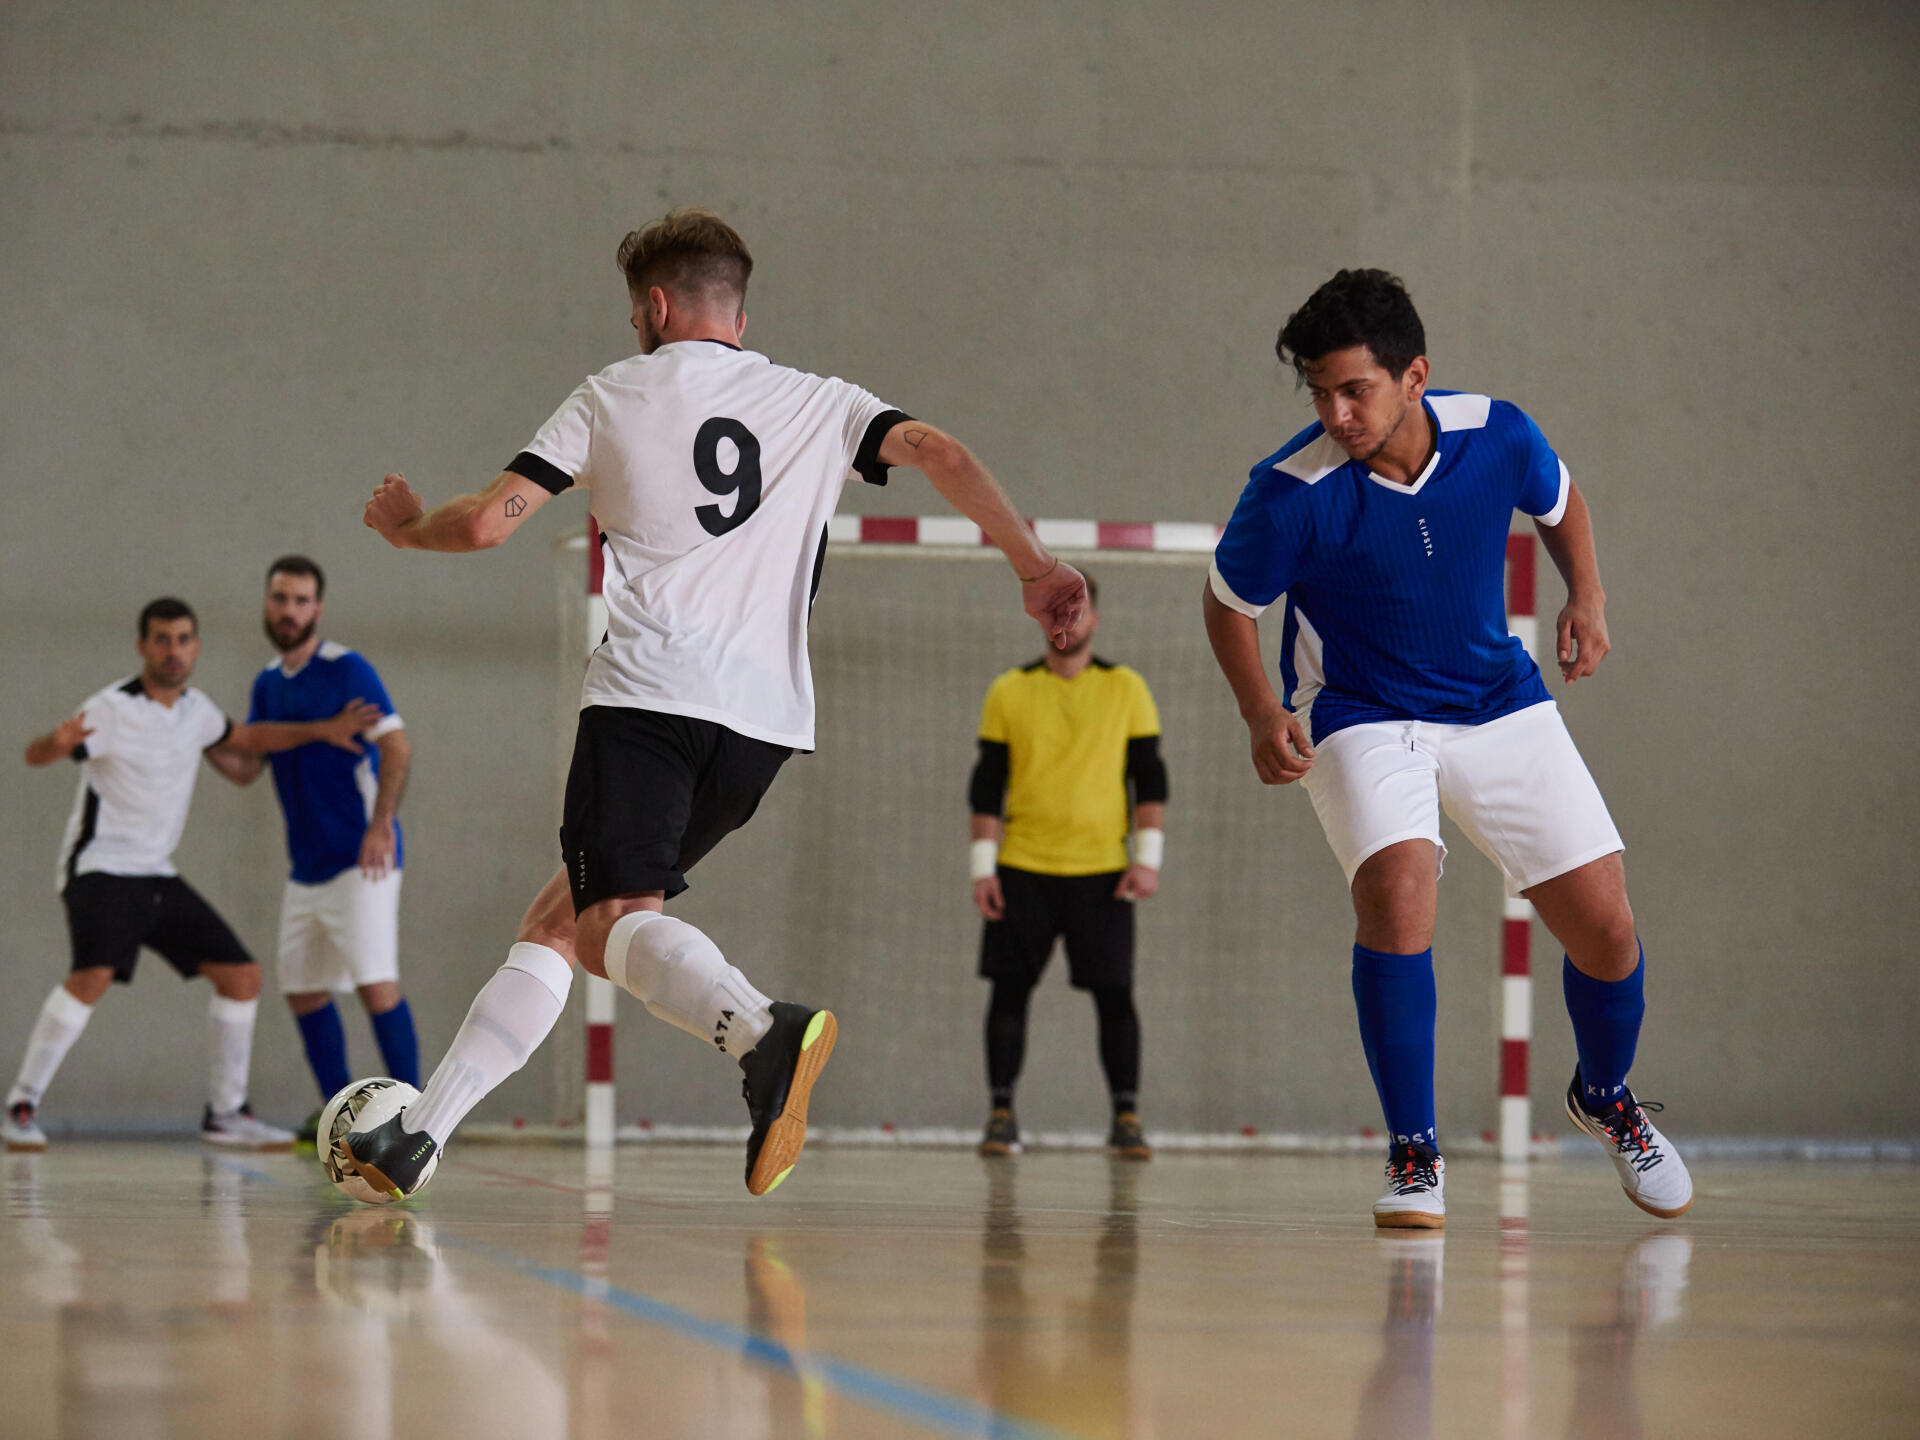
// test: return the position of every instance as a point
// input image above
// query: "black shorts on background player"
(1098, 927)
(649, 794)
(109, 917)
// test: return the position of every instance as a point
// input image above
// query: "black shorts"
(1040, 908)
(109, 917)
(649, 794)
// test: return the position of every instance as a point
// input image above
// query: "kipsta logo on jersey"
(720, 1030)
(1426, 539)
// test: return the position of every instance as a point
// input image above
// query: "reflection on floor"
(156, 1290)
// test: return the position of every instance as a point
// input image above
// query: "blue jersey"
(1396, 603)
(325, 792)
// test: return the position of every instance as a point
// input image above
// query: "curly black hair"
(1355, 307)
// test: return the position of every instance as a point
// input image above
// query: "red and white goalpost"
(1173, 542)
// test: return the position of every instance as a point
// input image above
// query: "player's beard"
(285, 646)
(1386, 439)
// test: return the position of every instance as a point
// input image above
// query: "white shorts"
(340, 934)
(1516, 785)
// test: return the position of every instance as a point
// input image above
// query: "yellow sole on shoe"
(1408, 1220)
(25, 1147)
(787, 1135)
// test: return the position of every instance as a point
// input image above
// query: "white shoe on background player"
(1651, 1170)
(240, 1131)
(20, 1131)
(1416, 1197)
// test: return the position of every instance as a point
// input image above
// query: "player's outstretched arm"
(1282, 753)
(1054, 593)
(468, 522)
(1580, 633)
(60, 742)
(269, 737)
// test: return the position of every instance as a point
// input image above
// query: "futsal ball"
(361, 1106)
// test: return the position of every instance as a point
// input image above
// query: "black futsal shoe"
(1002, 1135)
(780, 1071)
(391, 1158)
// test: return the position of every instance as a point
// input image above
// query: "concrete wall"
(256, 256)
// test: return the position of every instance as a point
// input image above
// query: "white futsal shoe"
(19, 1129)
(240, 1131)
(1651, 1170)
(1416, 1197)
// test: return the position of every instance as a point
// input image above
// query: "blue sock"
(1606, 1018)
(399, 1046)
(1395, 997)
(326, 1042)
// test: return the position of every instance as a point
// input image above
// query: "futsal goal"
(850, 886)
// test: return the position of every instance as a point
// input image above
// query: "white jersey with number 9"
(712, 473)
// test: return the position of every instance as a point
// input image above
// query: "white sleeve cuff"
(1559, 511)
(385, 725)
(1223, 592)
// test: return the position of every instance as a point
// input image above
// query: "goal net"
(850, 886)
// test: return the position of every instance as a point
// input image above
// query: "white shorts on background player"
(1516, 785)
(339, 934)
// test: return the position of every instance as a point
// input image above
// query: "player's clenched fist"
(393, 508)
(1282, 753)
(1057, 599)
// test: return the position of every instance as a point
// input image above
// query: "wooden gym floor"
(162, 1289)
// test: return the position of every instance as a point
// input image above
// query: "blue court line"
(946, 1414)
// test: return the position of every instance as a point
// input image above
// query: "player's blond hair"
(689, 252)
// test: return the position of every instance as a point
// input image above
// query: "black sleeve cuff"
(866, 460)
(225, 735)
(544, 473)
(987, 791)
(1147, 770)
(80, 752)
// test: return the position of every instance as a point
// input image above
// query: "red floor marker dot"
(1366, 1132)
(1487, 1135)
(519, 1123)
(645, 1123)
(1248, 1131)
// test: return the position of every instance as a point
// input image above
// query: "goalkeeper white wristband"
(983, 859)
(1149, 848)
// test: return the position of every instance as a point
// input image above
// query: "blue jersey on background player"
(326, 794)
(1396, 603)
(1385, 526)
(340, 915)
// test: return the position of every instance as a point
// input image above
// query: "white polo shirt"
(713, 473)
(138, 768)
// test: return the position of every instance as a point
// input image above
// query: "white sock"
(681, 976)
(508, 1019)
(62, 1018)
(230, 1038)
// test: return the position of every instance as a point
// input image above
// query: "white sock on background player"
(62, 1018)
(680, 975)
(230, 1039)
(508, 1019)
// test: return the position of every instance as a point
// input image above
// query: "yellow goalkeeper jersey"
(1066, 806)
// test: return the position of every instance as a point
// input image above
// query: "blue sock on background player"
(399, 1046)
(326, 1042)
(1606, 1017)
(1395, 997)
